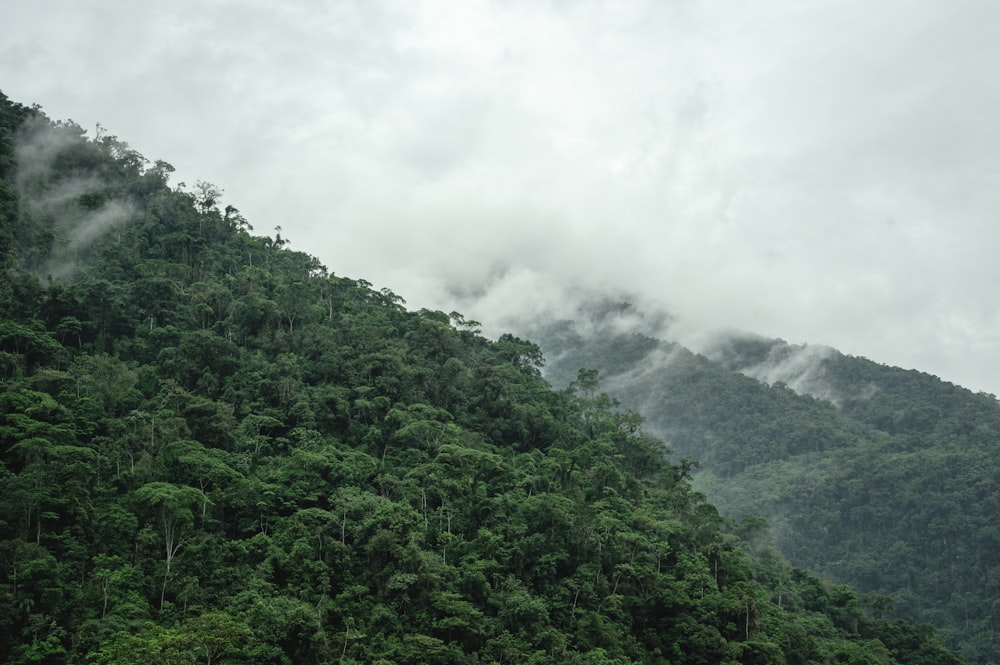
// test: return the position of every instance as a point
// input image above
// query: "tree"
(174, 504)
(216, 634)
(209, 468)
(207, 638)
(293, 300)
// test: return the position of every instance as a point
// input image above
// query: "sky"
(823, 171)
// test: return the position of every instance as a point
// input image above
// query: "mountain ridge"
(849, 460)
(213, 449)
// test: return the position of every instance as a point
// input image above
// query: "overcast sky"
(824, 171)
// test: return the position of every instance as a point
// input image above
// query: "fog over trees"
(216, 449)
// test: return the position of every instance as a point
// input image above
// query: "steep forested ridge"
(879, 477)
(212, 449)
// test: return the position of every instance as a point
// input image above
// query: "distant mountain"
(882, 478)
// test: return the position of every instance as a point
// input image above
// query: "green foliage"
(874, 476)
(213, 450)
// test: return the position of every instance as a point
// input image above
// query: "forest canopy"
(873, 476)
(213, 449)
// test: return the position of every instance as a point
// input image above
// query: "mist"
(821, 172)
(800, 367)
(78, 207)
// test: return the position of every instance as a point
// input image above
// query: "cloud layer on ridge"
(821, 172)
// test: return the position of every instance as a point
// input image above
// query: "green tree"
(174, 505)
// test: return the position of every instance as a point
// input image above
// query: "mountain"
(873, 476)
(213, 449)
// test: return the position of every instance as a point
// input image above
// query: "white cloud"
(824, 172)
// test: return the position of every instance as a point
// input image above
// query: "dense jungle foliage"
(214, 450)
(875, 476)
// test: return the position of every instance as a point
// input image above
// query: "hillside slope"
(879, 477)
(212, 449)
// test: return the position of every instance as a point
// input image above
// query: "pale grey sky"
(824, 171)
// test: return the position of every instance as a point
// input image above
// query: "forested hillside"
(215, 450)
(882, 478)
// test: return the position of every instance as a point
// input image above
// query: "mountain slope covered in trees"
(212, 449)
(875, 476)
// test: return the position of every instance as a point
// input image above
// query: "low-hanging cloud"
(56, 197)
(821, 173)
(800, 367)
